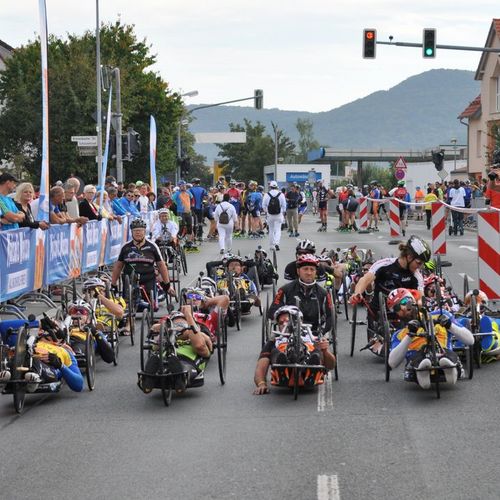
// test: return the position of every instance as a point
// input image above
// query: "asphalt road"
(358, 438)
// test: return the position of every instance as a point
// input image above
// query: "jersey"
(102, 313)
(389, 275)
(199, 193)
(322, 194)
(142, 259)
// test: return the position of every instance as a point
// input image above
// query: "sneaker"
(276, 247)
(424, 377)
(242, 233)
(461, 233)
(296, 234)
(222, 252)
(5, 376)
(290, 234)
(152, 367)
(450, 230)
(33, 380)
(450, 374)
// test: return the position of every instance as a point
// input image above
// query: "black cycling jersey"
(322, 193)
(142, 259)
(314, 302)
(389, 275)
(290, 272)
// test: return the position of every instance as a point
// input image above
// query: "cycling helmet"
(324, 258)
(481, 298)
(261, 251)
(260, 189)
(163, 211)
(291, 310)
(419, 248)
(431, 279)
(307, 259)
(176, 314)
(138, 224)
(232, 182)
(373, 183)
(195, 180)
(396, 296)
(305, 246)
(234, 258)
(401, 183)
(206, 281)
(430, 265)
(79, 308)
(92, 283)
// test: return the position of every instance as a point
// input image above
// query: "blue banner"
(114, 241)
(57, 253)
(17, 266)
(301, 176)
(91, 245)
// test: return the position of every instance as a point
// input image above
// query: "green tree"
(385, 176)
(72, 101)
(246, 161)
(307, 142)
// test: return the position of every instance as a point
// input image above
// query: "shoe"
(296, 234)
(450, 230)
(450, 374)
(5, 376)
(461, 233)
(276, 247)
(152, 367)
(33, 380)
(424, 377)
(290, 234)
(222, 252)
(242, 233)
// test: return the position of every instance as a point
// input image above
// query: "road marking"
(325, 394)
(328, 488)
(472, 249)
(463, 275)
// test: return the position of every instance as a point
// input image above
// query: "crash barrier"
(438, 229)
(488, 242)
(394, 219)
(363, 214)
(31, 258)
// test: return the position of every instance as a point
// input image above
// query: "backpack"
(224, 217)
(291, 200)
(274, 207)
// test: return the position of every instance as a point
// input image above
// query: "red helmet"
(396, 296)
(307, 259)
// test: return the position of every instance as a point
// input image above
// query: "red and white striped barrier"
(394, 220)
(488, 243)
(363, 214)
(438, 228)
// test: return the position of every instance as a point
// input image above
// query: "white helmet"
(293, 311)
(92, 283)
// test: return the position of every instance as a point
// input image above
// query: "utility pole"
(98, 92)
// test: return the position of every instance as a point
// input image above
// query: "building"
(5, 52)
(483, 113)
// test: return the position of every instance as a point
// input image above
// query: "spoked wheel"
(439, 267)
(345, 296)
(333, 346)
(176, 276)
(90, 361)
(275, 260)
(221, 345)
(128, 295)
(353, 327)
(386, 334)
(145, 349)
(296, 375)
(265, 324)
(166, 384)
(114, 341)
(474, 326)
(20, 367)
(466, 285)
(182, 253)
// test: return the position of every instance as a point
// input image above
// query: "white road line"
(328, 488)
(325, 394)
(472, 249)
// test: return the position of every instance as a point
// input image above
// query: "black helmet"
(195, 180)
(138, 223)
(419, 248)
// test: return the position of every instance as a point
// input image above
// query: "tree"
(246, 161)
(307, 142)
(72, 101)
(385, 176)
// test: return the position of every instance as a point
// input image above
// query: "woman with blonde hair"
(24, 196)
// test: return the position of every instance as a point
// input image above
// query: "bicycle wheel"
(466, 285)
(128, 295)
(387, 336)
(439, 267)
(145, 348)
(90, 361)
(182, 253)
(474, 326)
(221, 346)
(353, 327)
(19, 366)
(114, 341)
(275, 260)
(296, 375)
(345, 295)
(166, 383)
(333, 345)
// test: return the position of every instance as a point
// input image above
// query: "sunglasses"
(194, 296)
(406, 301)
(78, 311)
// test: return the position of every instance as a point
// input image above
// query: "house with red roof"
(482, 115)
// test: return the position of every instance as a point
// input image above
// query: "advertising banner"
(57, 252)
(114, 241)
(91, 246)
(17, 268)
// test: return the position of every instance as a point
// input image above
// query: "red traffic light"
(370, 35)
(369, 43)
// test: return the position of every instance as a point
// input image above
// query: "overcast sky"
(305, 55)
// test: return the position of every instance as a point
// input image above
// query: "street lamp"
(454, 142)
(182, 122)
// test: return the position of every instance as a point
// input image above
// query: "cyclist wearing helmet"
(407, 345)
(303, 247)
(314, 301)
(323, 195)
(141, 255)
(274, 351)
(395, 272)
(164, 229)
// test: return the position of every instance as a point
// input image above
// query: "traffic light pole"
(438, 46)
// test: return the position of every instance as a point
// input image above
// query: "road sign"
(85, 140)
(400, 174)
(443, 174)
(400, 164)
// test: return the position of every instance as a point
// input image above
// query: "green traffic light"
(429, 51)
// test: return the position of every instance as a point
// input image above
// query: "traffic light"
(429, 43)
(184, 164)
(437, 159)
(258, 98)
(369, 43)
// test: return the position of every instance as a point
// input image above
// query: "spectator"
(87, 206)
(70, 199)
(430, 197)
(75, 182)
(11, 216)
(57, 208)
(164, 200)
(151, 201)
(492, 192)
(128, 204)
(226, 218)
(182, 200)
(419, 198)
(456, 198)
(114, 202)
(292, 205)
(23, 198)
(106, 210)
(120, 189)
(141, 197)
(468, 193)
(275, 212)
